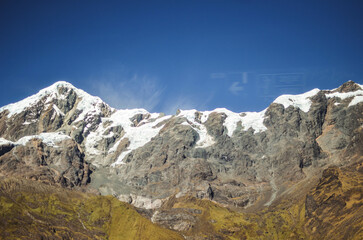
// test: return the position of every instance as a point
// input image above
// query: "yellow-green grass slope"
(32, 210)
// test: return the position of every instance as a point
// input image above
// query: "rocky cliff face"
(64, 136)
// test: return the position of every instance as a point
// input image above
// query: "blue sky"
(164, 55)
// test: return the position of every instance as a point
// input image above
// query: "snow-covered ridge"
(248, 120)
(50, 139)
(149, 127)
(301, 101)
(137, 136)
(255, 120)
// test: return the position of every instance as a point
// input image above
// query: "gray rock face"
(63, 165)
(179, 219)
(248, 159)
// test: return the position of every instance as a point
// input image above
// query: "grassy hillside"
(31, 210)
(332, 209)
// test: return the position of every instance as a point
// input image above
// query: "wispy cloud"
(137, 92)
(122, 90)
(170, 107)
(187, 102)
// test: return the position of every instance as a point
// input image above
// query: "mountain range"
(72, 167)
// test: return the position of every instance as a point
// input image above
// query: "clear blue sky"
(164, 55)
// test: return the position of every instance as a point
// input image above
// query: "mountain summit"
(247, 161)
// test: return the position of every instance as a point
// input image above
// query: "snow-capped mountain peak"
(58, 91)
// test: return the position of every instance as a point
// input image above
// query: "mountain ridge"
(100, 130)
(251, 162)
(90, 103)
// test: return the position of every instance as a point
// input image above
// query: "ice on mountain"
(248, 120)
(57, 110)
(357, 96)
(301, 101)
(3, 141)
(356, 100)
(50, 139)
(138, 136)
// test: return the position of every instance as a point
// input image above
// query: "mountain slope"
(248, 158)
(252, 162)
(332, 209)
(32, 210)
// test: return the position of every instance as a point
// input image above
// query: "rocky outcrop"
(179, 219)
(62, 165)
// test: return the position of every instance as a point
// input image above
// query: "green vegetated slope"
(32, 210)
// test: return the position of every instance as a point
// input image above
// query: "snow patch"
(254, 120)
(89, 105)
(344, 95)
(356, 100)
(231, 121)
(138, 136)
(248, 120)
(57, 110)
(205, 140)
(3, 141)
(300, 101)
(357, 96)
(120, 159)
(31, 121)
(48, 138)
